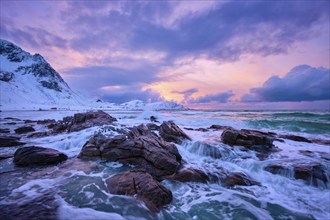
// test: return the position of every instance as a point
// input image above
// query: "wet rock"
(170, 132)
(10, 123)
(153, 127)
(201, 129)
(4, 130)
(295, 138)
(13, 119)
(189, 129)
(262, 142)
(29, 121)
(40, 206)
(38, 134)
(10, 141)
(82, 121)
(140, 147)
(46, 121)
(6, 156)
(33, 155)
(153, 119)
(323, 142)
(238, 179)
(24, 129)
(219, 127)
(142, 184)
(189, 174)
(311, 172)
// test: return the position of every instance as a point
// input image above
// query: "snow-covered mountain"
(29, 82)
(139, 105)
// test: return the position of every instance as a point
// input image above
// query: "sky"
(203, 54)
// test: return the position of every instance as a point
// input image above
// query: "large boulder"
(170, 132)
(10, 141)
(311, 173)
(238, 178)
(261, 142)
(82, 121)
(189, 174)
(142, 184)
(24, 129)
(246, 137)
(139, 147)
(33, 155)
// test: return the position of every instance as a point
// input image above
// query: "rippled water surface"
(77, 189)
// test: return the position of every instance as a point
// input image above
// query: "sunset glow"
(214, 51)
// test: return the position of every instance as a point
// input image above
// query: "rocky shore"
(151, 150)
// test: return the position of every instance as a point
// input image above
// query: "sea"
(78, 191)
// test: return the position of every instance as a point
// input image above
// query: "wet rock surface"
(24, 129)
(295, 138)
(4, 130)
(238, 179)
(82, 121)
(261, 142)
(311, 172)
(189, 174)
(10, 141)
(139, 147)
(142, 184)
(170, 132)
(29, 156)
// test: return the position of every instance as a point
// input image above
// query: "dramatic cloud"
(186, 93)
(123, 47)
(218, 98)
(125, 94)
(302, 83)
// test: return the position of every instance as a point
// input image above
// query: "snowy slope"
(29, 82)
(139, 105)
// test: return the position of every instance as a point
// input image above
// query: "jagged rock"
(311, 172)
(219, 127)
(10, 141)
(46, 121)
(153, 127)
(140, 147)
(6, 76)
(323, 142)
(81, 121)
(38, 134)
(29, 121)
(4, 130)
(37, 156)
(238, 178)
(295, 138)
(153, 119)
(142, 184)
(170, 132)
(189, 174)
(6, 156)
(24, 129)
(262, 142)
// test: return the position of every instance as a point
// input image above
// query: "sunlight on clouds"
(110, 88)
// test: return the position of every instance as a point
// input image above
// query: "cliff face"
(28, 81)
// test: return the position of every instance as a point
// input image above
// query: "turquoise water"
(82, 194)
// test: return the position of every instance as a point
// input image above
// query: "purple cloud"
(186, 93)
(221, 97)
(302, 83)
